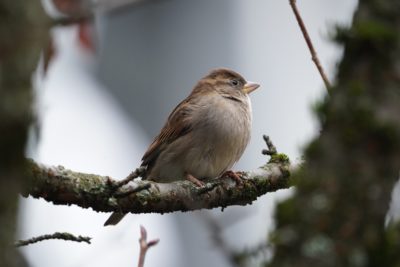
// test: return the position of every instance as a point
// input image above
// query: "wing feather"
(177, 125)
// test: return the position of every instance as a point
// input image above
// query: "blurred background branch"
(145, 245)
(23, 33)
(58, 235)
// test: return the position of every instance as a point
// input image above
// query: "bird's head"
(227, 81)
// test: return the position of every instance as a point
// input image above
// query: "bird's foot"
(194, 180)
(234, 176)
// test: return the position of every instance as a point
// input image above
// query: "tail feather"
(115, 218)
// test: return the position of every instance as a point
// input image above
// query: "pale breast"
(220, 136)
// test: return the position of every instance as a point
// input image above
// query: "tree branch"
(310, 45)
(61, 186)
(57, 235)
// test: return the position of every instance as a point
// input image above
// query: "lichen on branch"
(65, 187)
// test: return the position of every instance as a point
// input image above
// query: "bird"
(205, 134)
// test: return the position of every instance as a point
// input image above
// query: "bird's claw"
(194, 180)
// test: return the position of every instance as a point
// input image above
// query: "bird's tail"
(115, 218)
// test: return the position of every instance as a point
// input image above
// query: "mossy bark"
(336, 217)
(65, 187)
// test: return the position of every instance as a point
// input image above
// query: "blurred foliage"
(336, 216)
(23, 32)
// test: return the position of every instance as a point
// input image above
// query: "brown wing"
(177, 125)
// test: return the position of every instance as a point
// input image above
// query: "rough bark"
(336, 217)
(66, 187)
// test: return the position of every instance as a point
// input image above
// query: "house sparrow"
(204, 135)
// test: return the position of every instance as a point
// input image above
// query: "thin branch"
(57, 235)
(135, 174)
(314, 55)
(144, 245)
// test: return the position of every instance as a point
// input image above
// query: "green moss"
(279, 158)
(249, 191)
(375, 30)
(261, 181)
(368, 30)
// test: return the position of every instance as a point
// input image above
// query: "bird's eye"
(234, 82)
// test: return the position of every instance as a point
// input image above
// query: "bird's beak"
(250, 87)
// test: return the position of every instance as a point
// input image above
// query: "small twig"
(57, 235)
(314, 55)
(115, 185)
(135, 174)
(271, 148)
(144, 245)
